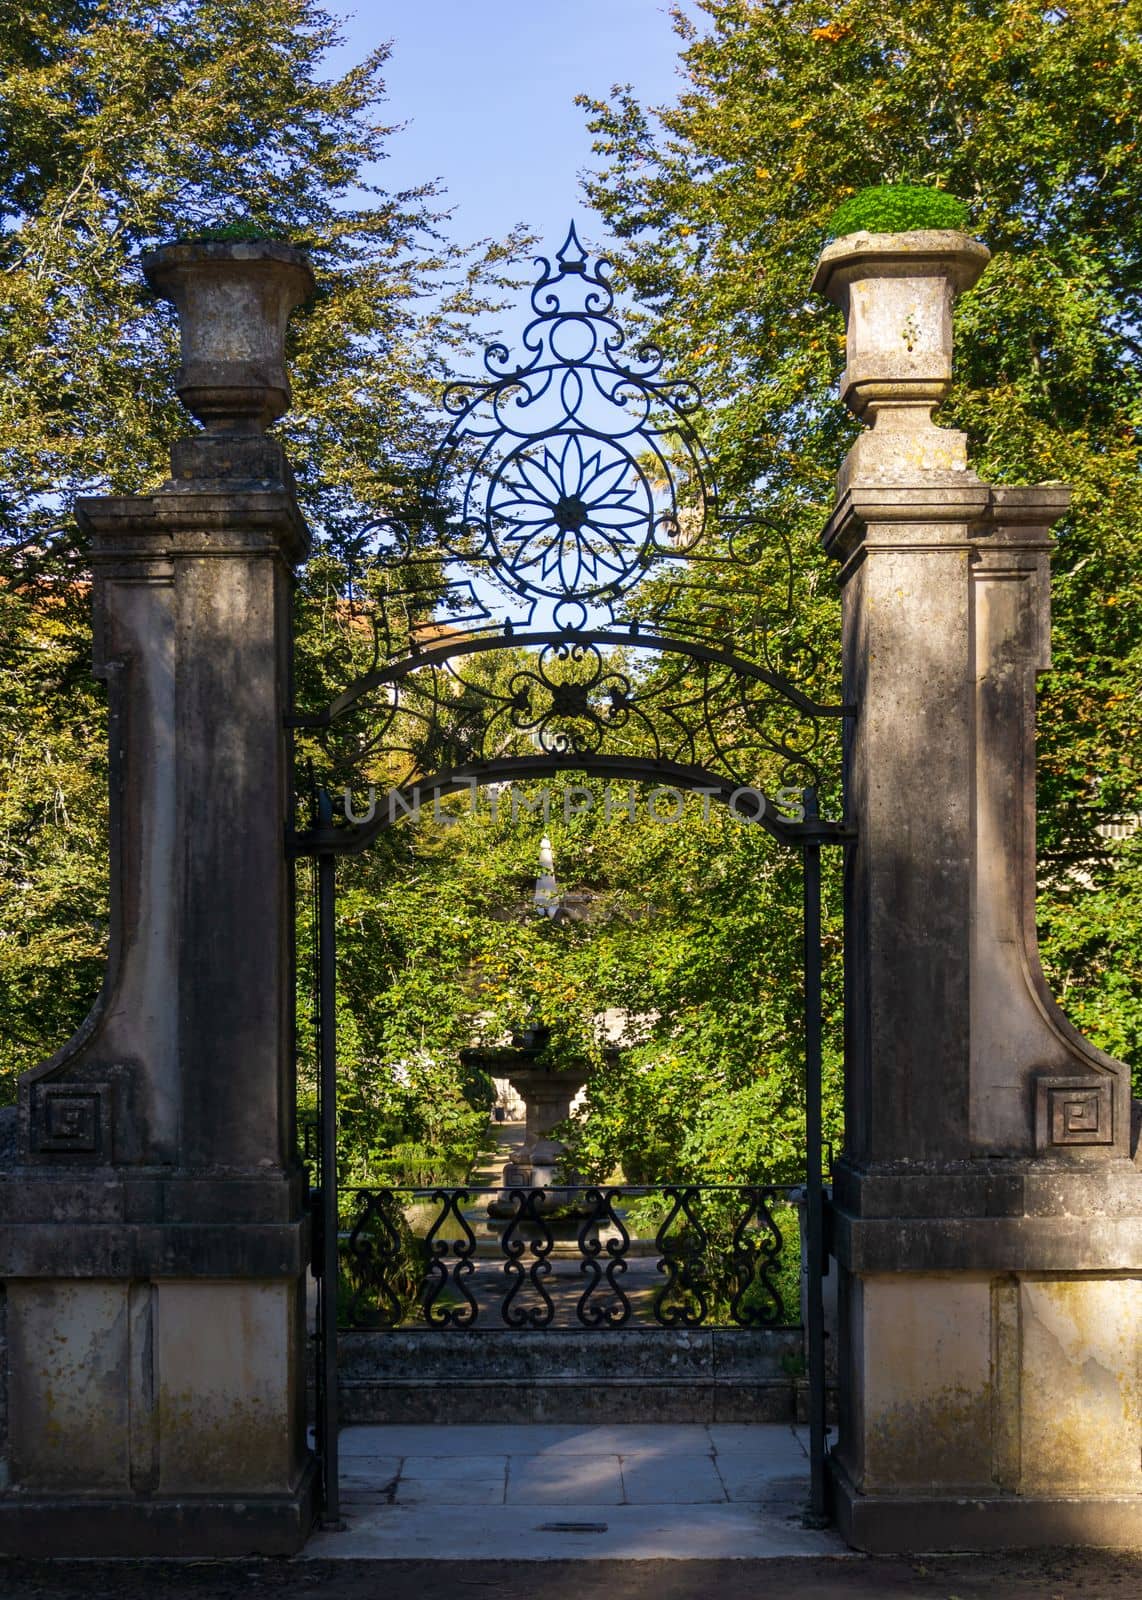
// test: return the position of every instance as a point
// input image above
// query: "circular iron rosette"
(571, 518)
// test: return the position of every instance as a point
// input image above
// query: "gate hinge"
(828, 1245)
(316, 1233)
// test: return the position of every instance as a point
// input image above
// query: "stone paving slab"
(567, 1531)
(371, 1487)
(757, 1439)
(552, 1493)
(675, 1478)
(452, 1480)
(369, 1471)
(564, 1477)
(530, 1438)
(749, 1483)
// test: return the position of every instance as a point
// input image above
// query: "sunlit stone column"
(988, 1207)
(153, 1236)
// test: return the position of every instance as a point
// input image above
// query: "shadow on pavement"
(1030, 1575)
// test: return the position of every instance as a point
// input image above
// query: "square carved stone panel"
(1073, 1111)
(68, 1119)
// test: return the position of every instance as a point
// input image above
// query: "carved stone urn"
(234, 300)
(897, 291)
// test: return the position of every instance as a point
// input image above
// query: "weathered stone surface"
(993, 1410)
(640, 1375)
(897, 291)
(1081, 1385)
(945, 628)
(234, 301)
(926, 1383)
(954, 1244)
(156, 1250)
(466, 1401)
(983, 1187)
(211, 1527)
(192, 626)
(662, 1353)
(70, 1363)
(227, 1359)
(228, 461)
(904, 1523)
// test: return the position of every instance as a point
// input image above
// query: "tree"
(690, 930)
(1031, 115)
(124, 123)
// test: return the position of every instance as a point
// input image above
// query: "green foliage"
(691, 932)
(1033, 115)
(140, 122)
(230, 232)
(896, 208)
(53, 840)
(1092, 939)
(708, 1261)
(123, 126)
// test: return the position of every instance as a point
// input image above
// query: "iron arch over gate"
(554, 608)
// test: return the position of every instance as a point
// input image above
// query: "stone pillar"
(987, 1217)
(153, 1235)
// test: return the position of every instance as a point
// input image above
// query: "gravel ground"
(1032, 1575)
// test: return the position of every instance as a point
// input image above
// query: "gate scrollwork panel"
(571, 586)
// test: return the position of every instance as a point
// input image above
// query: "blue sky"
(487, 89)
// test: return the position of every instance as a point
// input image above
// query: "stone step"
(640, 1374)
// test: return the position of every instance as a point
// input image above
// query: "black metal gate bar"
(814, 1194)
(327, 1284)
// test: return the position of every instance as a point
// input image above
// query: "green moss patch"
(896, 208)
(228, 233)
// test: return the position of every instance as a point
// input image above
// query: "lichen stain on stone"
(1082, 1354)
(1083, 1333)
(221, 1441)
(942, 1439)
(1064, 1309)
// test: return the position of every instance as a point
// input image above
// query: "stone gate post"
(987, 1215)
(152, 1236)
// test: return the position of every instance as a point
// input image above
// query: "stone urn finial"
(234, 300)
(897, 291)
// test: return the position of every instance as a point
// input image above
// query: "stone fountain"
(547, 1092)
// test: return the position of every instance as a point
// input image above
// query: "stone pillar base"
(158, 1416)
(203, 1526)
(991, 1409)
(905, 1524)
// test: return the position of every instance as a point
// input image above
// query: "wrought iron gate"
(574, 537)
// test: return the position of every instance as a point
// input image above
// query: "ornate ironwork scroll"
(683, 1300)
(377, 1269)
(462, 1310)
(579, 462)
(756, 1259)
(612, 1313)
(571, 469)
(573, 590)
(716, 1259)
(515, 1244)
